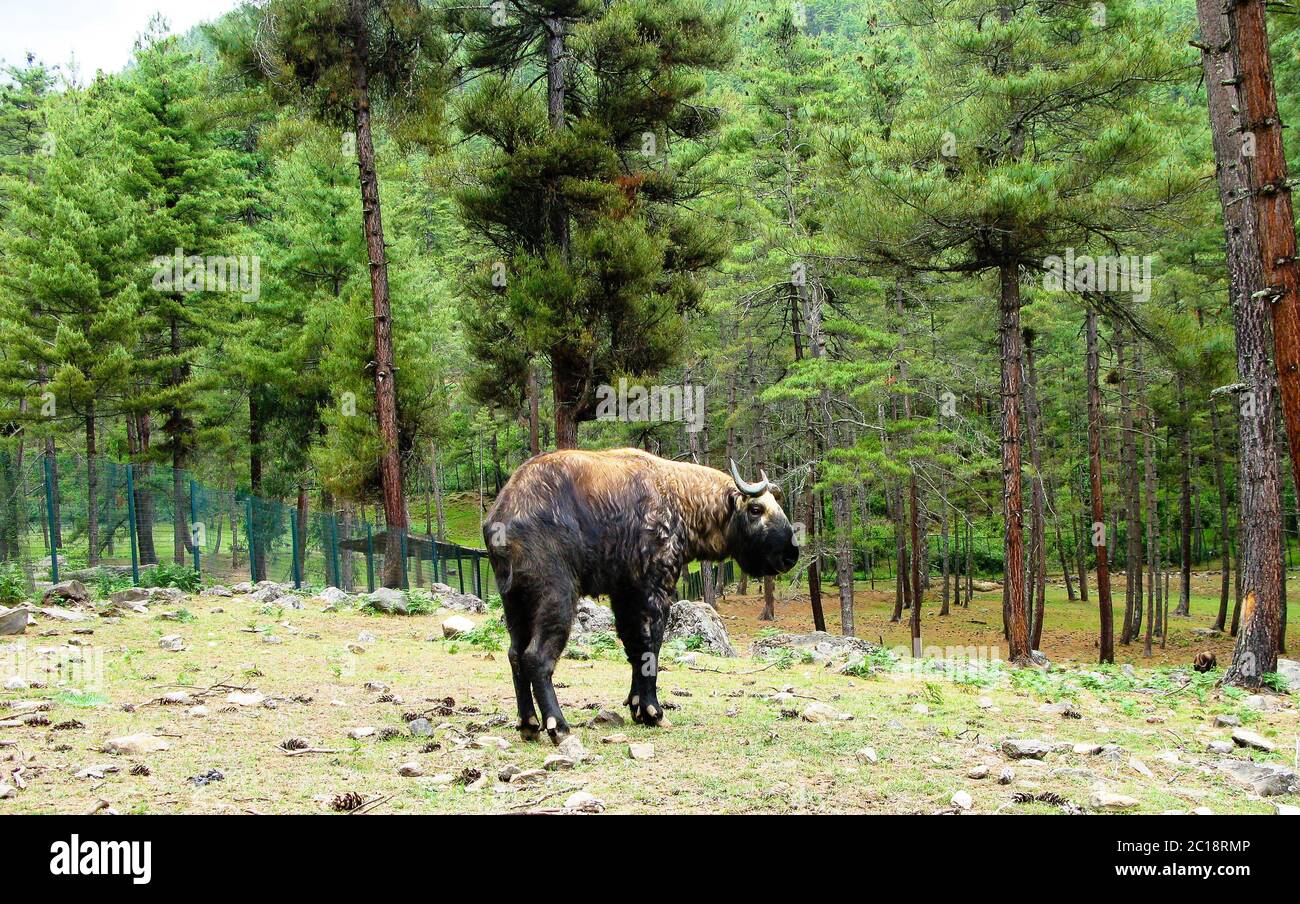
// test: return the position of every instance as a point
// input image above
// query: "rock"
(13, 621)
(1245, 738)
(1265, 779)
(1039, 659)
(410, 770)
(357, 734)
(819, 641)
(591, 617)
(688, 620)
(1064, 709)
(217, 590)
(1140, 768)
(920, 709)
(1202, 811)
(527, 775)
(1262, 703)
(166, 595)
(1227, 721)
(1222, 747)
(979, 772)
(16, 683)
(1006, 776)
(641, 751)
(1087, 749)
(67, 593)
(820, 712)
(129, 595)
(867, 756)
(420, 728)
(291, 601)
(617, 738)
(456, 625)
(606, 717)
(333, 596)
(136, 744)
(491, 742)
(242, 588)
(557, 762)
(984, 702)
(572, 748)
(1287, 809)
(962, 800)
(252, 698)
(1290, 670)
(1018, 749)
(986, 586)
(173, 643)
(1105, 800)
(388, 600)
(366, 637)
(584, 802)
(176, 698)
(7, 791)
(454, 599)
(198, 712)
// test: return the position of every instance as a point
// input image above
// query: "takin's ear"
(777, 494)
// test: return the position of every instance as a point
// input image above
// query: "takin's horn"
(749, 489)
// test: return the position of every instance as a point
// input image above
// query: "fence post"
(252, 542)
(370, 558)
(50, 491)
(406, 583)
(460, 570)
(293, 538)
(334, 548)
(195, 534)
(130, 514)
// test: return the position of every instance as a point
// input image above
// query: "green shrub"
(171, 574)
(13, 585)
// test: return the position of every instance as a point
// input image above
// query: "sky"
(99, 33)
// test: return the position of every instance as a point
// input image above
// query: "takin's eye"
(756, 509)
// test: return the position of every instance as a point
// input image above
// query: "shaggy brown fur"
(622, 523)
(1205, 660)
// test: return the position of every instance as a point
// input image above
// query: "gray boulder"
(385, 599)
(687, 620)
(266, 593)
(242, 588)
(67, 593)
(218, 590)
(13, 621)
(1265, 779)
(452, 598)
(333, 596)
(1290, 670)
(819, 642)
(592, 617)
(128, 596)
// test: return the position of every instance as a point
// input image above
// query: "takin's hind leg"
(550, 634)
(640, 622)
(520, 628)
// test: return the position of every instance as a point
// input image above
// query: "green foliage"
(172, 574)
(13, 584)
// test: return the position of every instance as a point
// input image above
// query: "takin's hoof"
(530, 730)
(650, 713)
(558, 730)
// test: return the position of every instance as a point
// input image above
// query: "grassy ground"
(730, 748)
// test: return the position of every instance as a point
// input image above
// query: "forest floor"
(737, 742)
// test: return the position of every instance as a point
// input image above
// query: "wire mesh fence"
(63, 517)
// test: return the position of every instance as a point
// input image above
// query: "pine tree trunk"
(1236, 52)
(92, 488)
(1220, 485)
(1128, 472)
(1153, 552)
(1185, 508)
(1013, 504)
(1098, 529)
(534, 404)
(1038, 523)
(390, 465)
(256, 431)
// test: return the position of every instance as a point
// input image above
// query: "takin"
(621, 523)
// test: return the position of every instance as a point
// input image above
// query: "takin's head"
(759, 536)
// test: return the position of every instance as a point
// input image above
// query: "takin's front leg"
(640, 624)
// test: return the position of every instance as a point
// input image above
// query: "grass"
(730, 747)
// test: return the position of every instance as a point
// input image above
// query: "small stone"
(177, 698)
(410, 770)
(820, 712)
(197, 712)
(984, 702)
(962, 800)
(584, 802)
(357, 734)
(366, 637)
(456, 626)
(1026, 748)
(1220, 747)
(921, 709)
(528, 775)
(1140, 767)
(1087, 749)
(618, 738)
(7, 791)
(572, 748)
(1202, 811)
(16, 683)
(420, 728)
(1245, 738)
(1287, 810)
(173, 643)
(252, 698)
(641, 751)
(1227, 721)
(867, 756)
(557, 762)
(1105, 800)
(1006, 776)
(135, 744)
(979, 772)
(606, 717)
